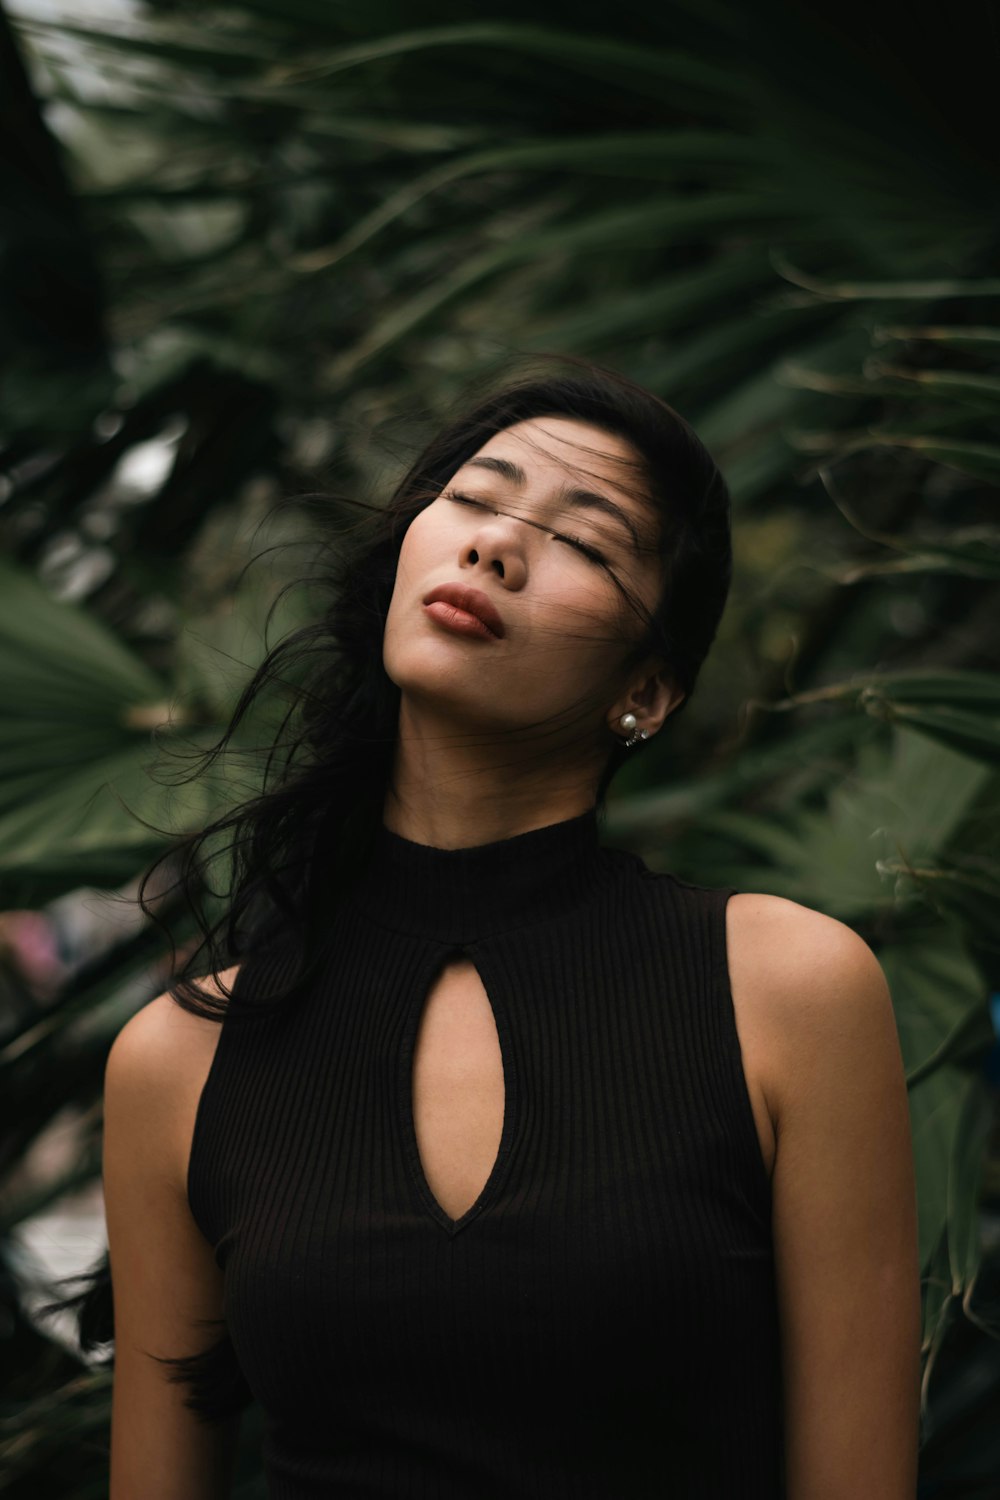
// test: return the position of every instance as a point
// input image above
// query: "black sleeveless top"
(602, 1321)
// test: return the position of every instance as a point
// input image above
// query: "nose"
(498, 543)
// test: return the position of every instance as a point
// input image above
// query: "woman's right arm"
(164, 1275)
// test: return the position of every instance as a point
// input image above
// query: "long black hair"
(329, 769)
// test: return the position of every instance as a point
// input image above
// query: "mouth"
(466, 611)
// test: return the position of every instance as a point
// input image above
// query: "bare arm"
(844, 1203)
(163, 1272)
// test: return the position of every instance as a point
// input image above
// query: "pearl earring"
(628, 723)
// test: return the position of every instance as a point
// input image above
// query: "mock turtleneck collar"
(460, 894)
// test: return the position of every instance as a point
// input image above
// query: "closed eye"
(582, 546)
(571, 541)
(465, 500)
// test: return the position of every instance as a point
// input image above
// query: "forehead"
(567, 449)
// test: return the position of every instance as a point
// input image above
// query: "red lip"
(473, 601)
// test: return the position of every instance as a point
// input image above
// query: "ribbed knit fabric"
(602, 1321)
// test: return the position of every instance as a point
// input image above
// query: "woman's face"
(509, 525)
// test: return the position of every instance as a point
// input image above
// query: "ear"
(651, 697)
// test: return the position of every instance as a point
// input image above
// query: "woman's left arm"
(844, 1210)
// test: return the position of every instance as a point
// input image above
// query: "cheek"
(413, 561)
(418, 567)
(584, 599)
(424, 546)
(398, 603)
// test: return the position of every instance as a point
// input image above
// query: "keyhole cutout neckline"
(432, 987)
(453, 901)
(458, 895)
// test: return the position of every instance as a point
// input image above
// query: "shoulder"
(802, 951)
(162, 1036)
(157, 1066)
(814, 991)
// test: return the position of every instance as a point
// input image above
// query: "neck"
(457, 786)
(479, 889)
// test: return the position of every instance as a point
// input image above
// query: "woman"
(516, 1169)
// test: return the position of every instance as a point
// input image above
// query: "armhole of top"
(724, 990)
(258, 969)
(189, 1176)
(191, 1187)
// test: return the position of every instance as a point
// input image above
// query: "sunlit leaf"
(941, 289)
(956, 337)
(948, 687)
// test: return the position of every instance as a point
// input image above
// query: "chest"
(457, 1094)
(457, 1088)
(444, 1084)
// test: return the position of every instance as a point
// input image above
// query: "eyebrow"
(582, 499)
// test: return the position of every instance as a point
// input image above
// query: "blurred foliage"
(257, 251)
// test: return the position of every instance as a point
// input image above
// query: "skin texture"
(475, 763)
